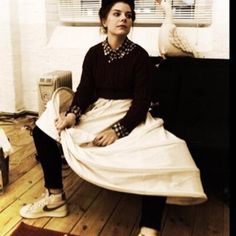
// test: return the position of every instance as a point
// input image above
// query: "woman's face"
(119, 20)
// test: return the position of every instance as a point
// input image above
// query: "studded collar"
(113, 54)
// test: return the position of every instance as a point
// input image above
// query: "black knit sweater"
(125, 78)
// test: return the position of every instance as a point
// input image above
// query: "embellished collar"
(118, 53)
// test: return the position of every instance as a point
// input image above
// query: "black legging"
(49, 155)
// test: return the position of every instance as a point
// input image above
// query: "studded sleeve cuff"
(120, 130)
(75, 110)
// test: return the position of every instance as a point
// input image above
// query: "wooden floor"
(93, 210)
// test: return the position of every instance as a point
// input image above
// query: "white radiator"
(49, 82)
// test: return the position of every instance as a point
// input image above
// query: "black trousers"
(49, 156)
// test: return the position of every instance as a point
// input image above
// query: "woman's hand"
(65, 122)
(105, 138)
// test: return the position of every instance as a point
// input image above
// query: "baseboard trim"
(17, 114)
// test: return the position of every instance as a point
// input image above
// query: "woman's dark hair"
(104, 11)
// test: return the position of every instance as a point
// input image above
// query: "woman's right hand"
(63, 122)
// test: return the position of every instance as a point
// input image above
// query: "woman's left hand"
(63, 122)
(105, 138)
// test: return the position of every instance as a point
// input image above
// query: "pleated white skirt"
(149, 161)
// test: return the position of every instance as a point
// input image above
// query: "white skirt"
(149, 161)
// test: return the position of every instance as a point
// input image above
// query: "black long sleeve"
(125, 78)
(85, 93)
(141, 94)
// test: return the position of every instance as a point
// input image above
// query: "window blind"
(185, 12)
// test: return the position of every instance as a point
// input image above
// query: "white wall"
(32, 42)
(11, 98)
(22, 37)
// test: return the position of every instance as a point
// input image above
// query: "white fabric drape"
(149, 161)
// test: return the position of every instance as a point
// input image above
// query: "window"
(185, 12)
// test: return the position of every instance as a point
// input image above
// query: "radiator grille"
(49, 82)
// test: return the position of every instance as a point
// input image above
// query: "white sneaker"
(145, 231)
(49, 205)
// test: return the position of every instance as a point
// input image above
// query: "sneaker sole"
(58, 214)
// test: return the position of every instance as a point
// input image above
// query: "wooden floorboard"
(121, 222)
(94, 219)
(179, 220)
(93, 210)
